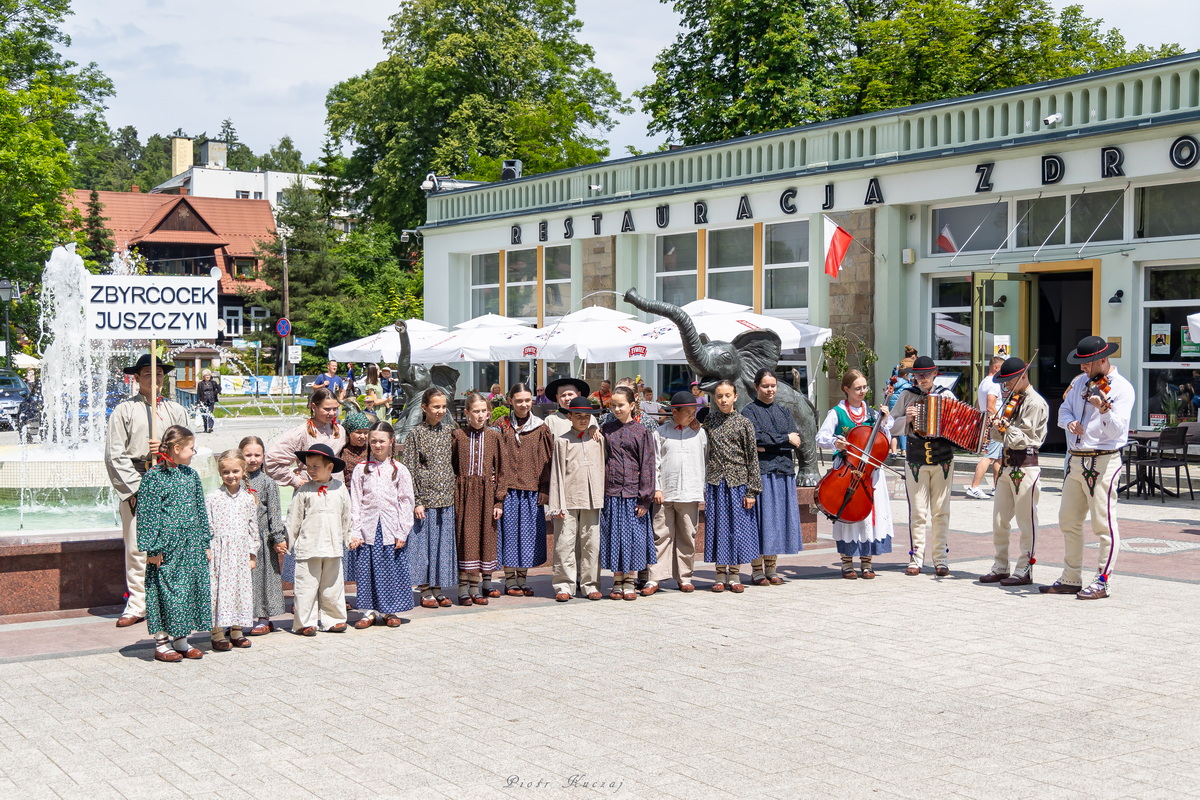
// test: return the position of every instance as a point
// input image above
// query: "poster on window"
(1160, 339)
(1001, 345)
(1187, 348)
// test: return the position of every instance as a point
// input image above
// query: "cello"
(846, 493)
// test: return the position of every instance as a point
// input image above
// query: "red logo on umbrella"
(530, 350)
(637, 350)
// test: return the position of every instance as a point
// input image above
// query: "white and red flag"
(945, 241)
(837, 242)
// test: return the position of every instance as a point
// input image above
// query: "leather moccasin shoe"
(737, 588)
(262, 629)
(1060, 588)
(687, 588)
(650, 589)
(192, 653)
(309, 631)
(994, 577)
(125, 621)
(222, 645)
(169, 656)
(561, 597)
(241, 641)
(1017, 580)
(594, 596)
(364, 623)
(1097, 591)
(912, 569)
(338, 628)
(394, 622)
(941, 570)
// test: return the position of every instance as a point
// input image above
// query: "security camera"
(594, 187)
(430, 183)
(1053, 119)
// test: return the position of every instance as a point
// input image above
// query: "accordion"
(950, 418)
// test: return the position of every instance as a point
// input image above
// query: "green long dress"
(172, 522)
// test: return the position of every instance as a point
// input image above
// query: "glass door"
(1001, 324)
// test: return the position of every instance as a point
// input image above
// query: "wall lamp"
(1115, 300)
(1000, 301)
(404, 234)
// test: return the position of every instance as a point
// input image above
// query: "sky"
(267, 64)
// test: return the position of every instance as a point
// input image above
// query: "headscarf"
(356, 421)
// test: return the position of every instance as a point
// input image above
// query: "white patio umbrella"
(491, 321)
(22, 361)
(570, 337)
(383, 345)
(473, 340)
(662, 342)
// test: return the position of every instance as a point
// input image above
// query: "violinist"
(1019, 426)
(1095, 415)
(928, 477)
(873, 535)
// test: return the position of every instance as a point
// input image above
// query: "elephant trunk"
(693, 340)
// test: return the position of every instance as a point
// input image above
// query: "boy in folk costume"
(928, 476)
(680, 448)
(319, 526)
(576, 498)
(1017, 489)
(1095, 414)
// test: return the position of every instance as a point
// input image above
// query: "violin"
(1009, 411)
(846, 492)
(1098, 387)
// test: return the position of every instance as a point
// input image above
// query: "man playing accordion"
(929, 474)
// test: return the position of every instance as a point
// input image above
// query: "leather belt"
(1020, 458)
(1093, 453)
(140, 465)
(920, 450)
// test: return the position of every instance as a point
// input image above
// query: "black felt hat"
(684, 400)
(924, 364)
(582, 405)
(143, 362)
(321, 450)
(1091, 348)
(1011, 368)
(553, 386)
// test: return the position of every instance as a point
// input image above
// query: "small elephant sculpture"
(738, 361)
(413, 380)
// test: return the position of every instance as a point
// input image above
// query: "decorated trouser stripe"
(1089, 489)
(1017, 493)
(928, 511)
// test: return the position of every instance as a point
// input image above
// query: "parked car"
(29, 417)
(13, 392)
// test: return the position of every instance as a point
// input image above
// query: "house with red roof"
(185, 235)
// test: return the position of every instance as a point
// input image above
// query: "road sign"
(293, 354)
(305, 342)
(283, 327)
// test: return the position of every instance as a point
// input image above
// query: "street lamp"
(6, 296)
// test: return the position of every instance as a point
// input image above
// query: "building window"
(1169, 210)
(556, 370)
(675, 266)
(785, 268)
(279, 198)
(1170, 360)
(966, 229)
(950, 321)
(557, 280)
(520, 284)
(731, 265)
(233, 320)
(1098, 217)
(485, 284)
(258, 319)
(245, 269)
(258, 195)
(1041, 221)
(242, 194)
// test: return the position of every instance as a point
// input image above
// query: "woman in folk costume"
(357, 426)
(626, 537)
(873, 535)
(478, 502)
(233, 520)
(526, 449)
(266, 578)
(432, 556)
(778, 511)
(381, 514)
(733, 485)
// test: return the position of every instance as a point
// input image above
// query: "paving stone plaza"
(898, 687)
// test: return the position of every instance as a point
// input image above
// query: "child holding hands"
(478, 502)
(265, 578)
(233, 520)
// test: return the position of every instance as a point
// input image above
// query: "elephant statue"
(413, 380)
(738, 361)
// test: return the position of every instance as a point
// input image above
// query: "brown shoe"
(718, 587)
(774, 580)
(514, 591)
(615, 594)
(429, 602)
(594, 596)
(222, 645)
(763, 581)
(493, 592)
(1060, 588)
(241, 641)
(849, 574)
(868, 574)
(364, 623)
(1098, 590)
(527, 591)
(561, 597)
(737, 588)
(309, 631)
(993, 577)
(338, 628)
(631, 595)
(479, 600)
(687, 588)
(192, 653)
(941, 570)
(394, 622)
(912, 569)
(169, 656)
(1017, 580)
(262, 628)
(464, 599)
(124, 621)
(443, 601)
(650, 589)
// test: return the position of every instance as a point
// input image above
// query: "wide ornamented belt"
(1021, 458)
(1093, 453)
(928, 451)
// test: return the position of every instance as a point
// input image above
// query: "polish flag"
(945, 241)
(837, 242)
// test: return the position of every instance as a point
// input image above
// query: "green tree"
(741, 67)
(467, 83)
(283, 157)
(99, 237)
(237, 154)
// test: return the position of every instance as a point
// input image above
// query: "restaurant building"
(1024, 218)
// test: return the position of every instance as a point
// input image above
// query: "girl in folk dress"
(381, 515)
(266, 579)
(321, 428)
(478, 503)
(626, 539)
(526, 448)
(173, 532)
(873, 535)
(233, 520)
(357, 426)
(432, 556)
(733, 484)
(778, 512)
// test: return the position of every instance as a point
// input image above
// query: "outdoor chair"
(1169, 451)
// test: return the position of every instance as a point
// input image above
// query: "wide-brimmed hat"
(923, 364)
(553, 386)
(1011, 368)
(321, 450)
(1091, 348)
(684, 400)
(143, 362)
(582, 405)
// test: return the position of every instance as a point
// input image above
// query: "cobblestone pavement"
(898, 687)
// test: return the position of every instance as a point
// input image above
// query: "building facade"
(1018, 220)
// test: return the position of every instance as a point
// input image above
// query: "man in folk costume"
(1095, 415)
(562, 391)
(928, 475)
(128, 448)
(1021, 433)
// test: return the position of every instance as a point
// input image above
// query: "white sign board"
(293, 354)
(3, 348)
(151, 307)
